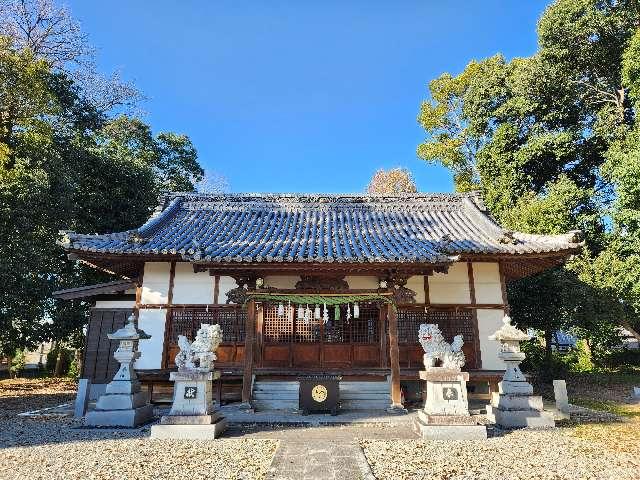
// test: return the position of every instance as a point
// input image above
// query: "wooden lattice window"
(288, 328)
(277, 329)
(450, 322)
(187, 321)
(355, 330)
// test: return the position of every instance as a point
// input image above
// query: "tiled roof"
(422, 228)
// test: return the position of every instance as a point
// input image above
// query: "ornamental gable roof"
(228, 228)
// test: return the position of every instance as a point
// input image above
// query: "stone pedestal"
(446, 410)
(192, 413)
(515, 406)
(122, 405)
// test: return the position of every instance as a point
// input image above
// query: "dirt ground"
(602, 441)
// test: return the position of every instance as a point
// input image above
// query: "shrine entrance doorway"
(340, 343)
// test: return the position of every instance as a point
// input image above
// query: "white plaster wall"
(115, 304)
(362, 282)
(155, 282)
(451, 287)
(488, 322)
(152, 322)
(190, 287)
(226, 284)
(486, 279)
(417, 285)
(281, 281)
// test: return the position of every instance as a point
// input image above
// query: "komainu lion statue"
(199, 355)
(436, 348)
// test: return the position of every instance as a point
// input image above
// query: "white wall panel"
(226, 284)
(152, 322)
(488, 322)
(362, 282)
(190, 287)
(450, 287)
(281, 281)
(115, 304)
(417, 285)
(155, 283)
(486, 279)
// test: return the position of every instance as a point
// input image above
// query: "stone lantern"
(123, 403)
(515, 405)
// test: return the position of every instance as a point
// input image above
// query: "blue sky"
(300, 96)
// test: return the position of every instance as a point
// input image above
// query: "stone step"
(364, 385)
(275, 405)
(364, 396)
(276, 386)
(364, 404)
(274, 396)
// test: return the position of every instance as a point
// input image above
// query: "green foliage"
(552, 142)
(65, 165)
(74, 369)
(52, 358)
(17, 363)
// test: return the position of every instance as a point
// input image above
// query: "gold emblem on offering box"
(319, 393)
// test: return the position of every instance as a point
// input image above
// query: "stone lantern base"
(122, 405)
(446, 410)
(192, 414)
(515, 406)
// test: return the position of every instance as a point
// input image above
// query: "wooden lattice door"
(287, 341)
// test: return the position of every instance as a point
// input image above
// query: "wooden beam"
(474, 317)
(394, 357)
(249, 340)
(167, 318)
(382, 320)
(139, 283)
(427, 298)
(503, 287)
(216, 289)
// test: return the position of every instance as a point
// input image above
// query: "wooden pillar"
(167, 319)
(394, 358)
(249, 340)
(474, 312)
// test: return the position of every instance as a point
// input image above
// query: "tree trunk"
(59, 363)
(78, 355)
(9, 362)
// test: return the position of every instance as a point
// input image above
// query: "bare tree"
(52, 34)
(396, 180)
(212, 182)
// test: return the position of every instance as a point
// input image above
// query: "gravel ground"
(523, 454)
(50, 448)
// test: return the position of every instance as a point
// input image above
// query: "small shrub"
(73, 371)
(17, 364)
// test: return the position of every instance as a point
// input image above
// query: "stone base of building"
(130, 418)
(192, 431)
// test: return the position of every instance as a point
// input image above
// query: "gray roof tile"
(424, 228)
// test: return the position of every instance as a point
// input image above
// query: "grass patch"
(622, 410)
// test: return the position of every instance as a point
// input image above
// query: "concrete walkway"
(236, 414)
(322, 452)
